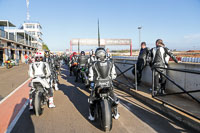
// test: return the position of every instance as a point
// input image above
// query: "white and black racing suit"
(42, 70)
(102, 70)
(91, 60)
(159, 58)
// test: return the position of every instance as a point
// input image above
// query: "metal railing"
(184, 91)
(122, 73)
(12, 37)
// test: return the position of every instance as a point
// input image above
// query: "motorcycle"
(54, 79)
(75, 67)
(11, 63)
(39, 94)
(104, 110)
(83, 75)
(8, 64)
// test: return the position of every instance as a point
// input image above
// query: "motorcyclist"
(159, 58)
(108, 55)
(41, 69)
(101, 69)
(74, 59)
(57, 63)
(82, 61)
(54, 75)
(92, 58)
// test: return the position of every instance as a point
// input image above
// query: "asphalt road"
(71, 112)
(11, 78)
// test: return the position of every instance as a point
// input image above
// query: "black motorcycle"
(83, 75)
(104, 104)
(40, 96)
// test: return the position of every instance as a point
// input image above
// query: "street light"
(139, 28)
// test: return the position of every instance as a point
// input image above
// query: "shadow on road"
(76, 96)
(158, 122)
(155, 120)
(24, 123)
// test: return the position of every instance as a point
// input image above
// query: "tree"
(45, 47)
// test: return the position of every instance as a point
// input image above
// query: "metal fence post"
(136, 77)
(153, 74)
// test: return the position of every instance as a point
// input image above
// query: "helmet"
(39, 56)
(82, 53)
(92, 52)
(74, 53)
(100, 53)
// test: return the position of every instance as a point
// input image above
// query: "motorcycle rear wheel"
(38, 103)
(106, 115)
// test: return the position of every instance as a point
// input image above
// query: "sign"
(103, 42)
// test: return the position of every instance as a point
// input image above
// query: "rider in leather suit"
(101, 69)
(54, 75)
(141, 62)
(92, 58)
(82, 61)
(73, 59)
(41, 69)
(159, 58)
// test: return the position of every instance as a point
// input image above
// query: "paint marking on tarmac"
(11, 126)
(12, 107)
(14, 91)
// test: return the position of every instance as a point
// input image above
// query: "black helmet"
(82, 53)
(100, 53)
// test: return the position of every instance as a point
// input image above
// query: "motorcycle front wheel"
(8, 66)
(105, 115)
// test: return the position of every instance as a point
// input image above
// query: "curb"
(165, 109)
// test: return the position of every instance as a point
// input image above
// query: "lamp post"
(139, 28)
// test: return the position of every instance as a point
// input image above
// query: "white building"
(35, 29)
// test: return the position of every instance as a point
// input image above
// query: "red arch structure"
(103, 42)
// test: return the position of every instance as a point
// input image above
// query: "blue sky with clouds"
(177, 22)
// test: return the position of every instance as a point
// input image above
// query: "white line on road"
(14, 91)
(12, 124)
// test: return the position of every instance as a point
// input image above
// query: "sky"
(176, 22)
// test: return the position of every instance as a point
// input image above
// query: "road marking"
(11, 126)
(12, 106)
(14, 91)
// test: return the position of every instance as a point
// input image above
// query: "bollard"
(183, 59)
(187, 59)
(193, 59)
(196, 60)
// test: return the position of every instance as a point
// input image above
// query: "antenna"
(98, 35)
(27, 13)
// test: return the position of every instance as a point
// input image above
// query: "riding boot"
(51, 103)
(90, 117)
(56, 86)
(30, 104)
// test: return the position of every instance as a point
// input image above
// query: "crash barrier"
(183, 90)
(121, 72)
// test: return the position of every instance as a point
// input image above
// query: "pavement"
(71, 112)
(11, 78)
(190, 116)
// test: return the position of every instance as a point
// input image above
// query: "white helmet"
(38, 55)
(92, 52)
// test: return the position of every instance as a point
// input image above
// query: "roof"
(5, 22)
